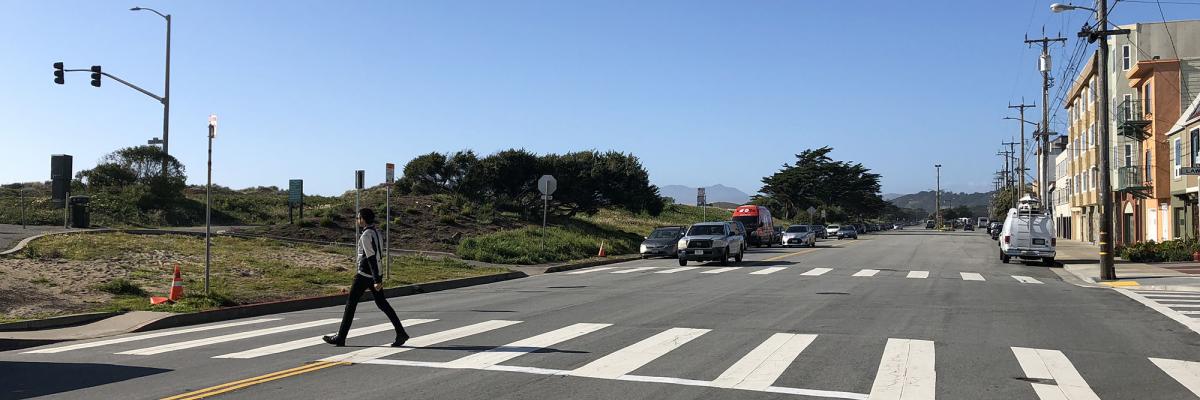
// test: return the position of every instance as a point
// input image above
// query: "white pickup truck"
(1027, 234)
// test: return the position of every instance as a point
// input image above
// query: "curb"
(56, 322)
(254, 310)
(589, 264)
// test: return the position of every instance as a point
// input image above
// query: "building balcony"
(1131, 121)
(1132, 180)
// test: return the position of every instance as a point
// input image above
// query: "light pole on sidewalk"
(212, 134)
(938, 197)
(166, 98)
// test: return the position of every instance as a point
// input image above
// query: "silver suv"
(712, 241)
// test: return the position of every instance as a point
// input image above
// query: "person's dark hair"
(367, 214)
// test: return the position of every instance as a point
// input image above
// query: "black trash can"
(80, 217)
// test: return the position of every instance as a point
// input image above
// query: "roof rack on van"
(1029, 204)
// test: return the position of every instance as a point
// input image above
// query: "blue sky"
(703, 92)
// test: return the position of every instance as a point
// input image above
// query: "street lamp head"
(135, 9)
(1059, 7)
(937, 165)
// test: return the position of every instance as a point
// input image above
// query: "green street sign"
(295, 192)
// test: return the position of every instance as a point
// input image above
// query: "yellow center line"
(235, 385)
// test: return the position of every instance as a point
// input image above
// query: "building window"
(1126, 106)
(1087, 182)
(1126, 57)
(1128, 155)
(1092, 133)
(1149, 172)
(1146, 99)
(1178, 161)
(1095, 178)
(1195, 146)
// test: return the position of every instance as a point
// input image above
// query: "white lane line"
(1171, 295)
(918, 274)
(719, 270)
(759, 368)
(1052, 364)
(866, 272)
(1187, 321)
(674, 270)
(1174, 305)
(125, 339)
(1146, 291)
(906, 371)
(1187, 373)
(768, 270)
(587, 270)
(228, 338)
(1188, 312)
(314, 341)
(512, 350)
(1180, 300)
(970, 276)
(372, 353)
(1026, 279)
(816, 271)
(631, 378)
(634, 356)
(632, 270)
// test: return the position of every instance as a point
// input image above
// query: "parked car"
(663, 241)
(898, 227)
(800, 235)
(1027, 234)
(994, 229)
(847, 232)
(760, 226)
(832, 230)
(712, 241)
(778, 235)
(969, 227)
(860, 228)
(821, 230)
(929, 224)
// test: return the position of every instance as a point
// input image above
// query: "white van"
(1028, 233)
(982, 222)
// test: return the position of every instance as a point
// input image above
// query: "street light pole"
(212, 133)
(166, 99)
(938, 198)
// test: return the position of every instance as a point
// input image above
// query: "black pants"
(362, 284)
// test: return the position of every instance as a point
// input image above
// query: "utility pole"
(1022, 108)
(1044, 66)
(1010, 167)
(938, 198)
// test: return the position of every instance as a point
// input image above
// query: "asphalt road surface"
(907, 314)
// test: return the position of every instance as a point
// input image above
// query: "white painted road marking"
(630, 358)
(228, 338)
(1170, 296)
(1188, 312)
(918, 274)
(584, 271)
(866, 272)
(125, 339)
(1025, 279)
(719, 270)
(372, 353)
(768, 270)
(906, 371)
(631, 270)
(759, 368)
(1187, 373)
(1052, 364)
(1181, 300)
(816, 271)
(314, 341)
(498, 355)
(1187, 321)
(674, 270)
(971, 276)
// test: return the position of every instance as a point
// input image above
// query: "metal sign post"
(547, 185)
(812, 212)
(359, 178)
(296, 197)
(702, 201)
(212, 133)
(387, 230)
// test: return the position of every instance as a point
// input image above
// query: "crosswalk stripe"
(1187, 373)
(971, 276)
(60, 349)
(719, 270)
(1180, 301)
(314, 341)
(768, 270)
(918, 274)
(1052, 364)
(759, 368)
(1174, 305)
(866, 272)
(817, 271)
(631, 270)
(906, 371)
(674, 270)
(227, 338)
(1026, 279)
(1188, 312)
(372, 353)
(509, 351)
(1170, 295)
(587, 270)
(634, 356)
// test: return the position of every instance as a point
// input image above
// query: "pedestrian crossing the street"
(906, 367)
(814, 272)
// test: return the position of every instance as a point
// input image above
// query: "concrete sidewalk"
(1082, 260)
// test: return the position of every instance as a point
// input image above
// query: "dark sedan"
(662, 242)
(847, 232)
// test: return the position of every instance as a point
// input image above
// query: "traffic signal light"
(96, 75)
(58, 73)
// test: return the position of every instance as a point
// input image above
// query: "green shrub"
(1142, 252)
(121, 286)
(523, 246)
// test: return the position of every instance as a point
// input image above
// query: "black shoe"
(400, 339)
(334, 340)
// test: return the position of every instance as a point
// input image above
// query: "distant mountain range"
(715, 193)
(890, 196)
(925, 200)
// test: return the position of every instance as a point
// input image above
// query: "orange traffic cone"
(176, 290)
(601, 253)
